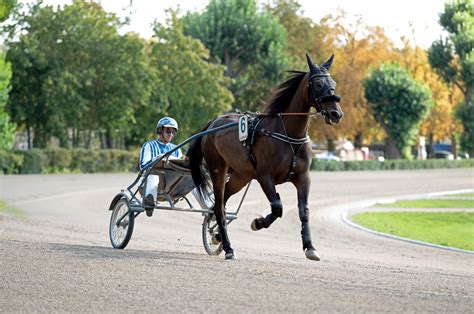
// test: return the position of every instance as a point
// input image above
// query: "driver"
(166, 129)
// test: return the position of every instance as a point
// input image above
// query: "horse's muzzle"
(333, 117)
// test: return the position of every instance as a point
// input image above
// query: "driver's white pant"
(152, 188)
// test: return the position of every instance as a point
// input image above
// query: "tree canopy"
(399, 103)
(250, 43)
(6, 6)
(453, 59)
(71, 69)
(7, 128)
(190, 87)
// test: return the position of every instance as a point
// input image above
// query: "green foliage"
(399, 104)
(444, 228)
(6, 6)
(248, 42)
(191, 89)
(34, 161)
(10, 162)
(71, 69)
(7, 128)
(68, 160)
(453, 59)
(465, 113)
(401, 164)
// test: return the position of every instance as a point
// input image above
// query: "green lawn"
(455, 229)
(431, 203)
(462, 195)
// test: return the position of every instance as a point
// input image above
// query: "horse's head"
(322, 91)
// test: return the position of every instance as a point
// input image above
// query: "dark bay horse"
(280, 150)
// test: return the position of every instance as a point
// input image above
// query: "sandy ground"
(55, 253)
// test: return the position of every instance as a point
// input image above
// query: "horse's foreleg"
(268, 188)
(303, 190)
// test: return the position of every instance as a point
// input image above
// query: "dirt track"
(57, 257)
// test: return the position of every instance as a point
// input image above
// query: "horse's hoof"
(312, 255)
(253, 225)
(230, 256)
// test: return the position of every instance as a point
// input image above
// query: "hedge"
(62, 160)
(111, 160)
(399, 164)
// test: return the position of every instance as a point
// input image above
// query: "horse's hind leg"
(302, 186)
(218, 172)
(268, 187)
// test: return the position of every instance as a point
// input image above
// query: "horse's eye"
(318, 84)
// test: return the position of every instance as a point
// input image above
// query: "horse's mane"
(282, 95)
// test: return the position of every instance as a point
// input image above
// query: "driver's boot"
(149, 205)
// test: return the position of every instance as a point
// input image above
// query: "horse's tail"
(196, 156)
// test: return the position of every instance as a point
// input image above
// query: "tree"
(399, 103)
(440, 123)
(6, 6)
(7, 128)
(73, 71)
(357, 48)
(248, 42)
(303, 35)
(190, 88)
(453, 59)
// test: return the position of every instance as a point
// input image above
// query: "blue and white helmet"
(166, 122)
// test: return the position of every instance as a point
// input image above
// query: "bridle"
(326, 93)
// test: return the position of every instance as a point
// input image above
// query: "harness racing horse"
(279, 151)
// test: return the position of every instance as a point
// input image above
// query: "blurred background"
(82, 81)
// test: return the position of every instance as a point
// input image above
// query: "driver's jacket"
(154, 149)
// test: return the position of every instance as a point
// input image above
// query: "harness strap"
(285, 138)
(253, 129)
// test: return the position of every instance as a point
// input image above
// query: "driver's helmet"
(166, 122)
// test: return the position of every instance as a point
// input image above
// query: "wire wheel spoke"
(121, 224)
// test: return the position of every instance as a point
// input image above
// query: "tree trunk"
(454, 146)
(28, 133)
(431, 153)
(89, 139)
(358, 140)
(108, 140)
(40, 139)
(73, 137)
(391, 150)
(331, 145)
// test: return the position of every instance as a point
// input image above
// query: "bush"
(59, 160)
(402, 164)
(62, 160)
(10, 163)
(34, 161)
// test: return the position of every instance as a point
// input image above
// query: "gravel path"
(55, 254)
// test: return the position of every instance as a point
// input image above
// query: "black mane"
(281, 96)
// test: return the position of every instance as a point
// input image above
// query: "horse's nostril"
(334, 115)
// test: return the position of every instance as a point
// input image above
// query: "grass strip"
(454, 229)
(431, 203)
(461, 195)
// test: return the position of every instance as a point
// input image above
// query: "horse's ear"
(312, 67)
(328, 63)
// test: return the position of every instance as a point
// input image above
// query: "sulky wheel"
(121, 224)
(211, 237)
